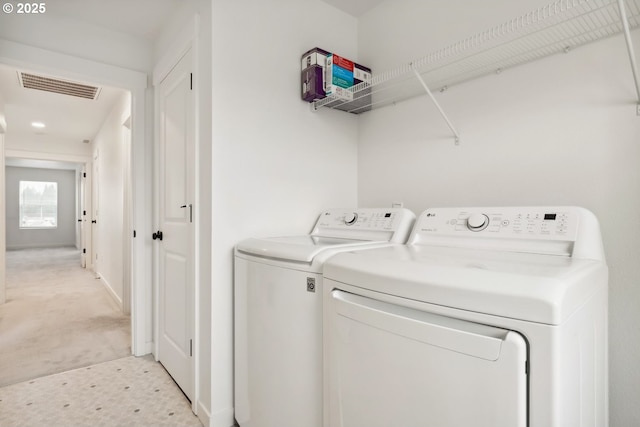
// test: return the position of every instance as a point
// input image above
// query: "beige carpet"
(125, 392)
(57, 317)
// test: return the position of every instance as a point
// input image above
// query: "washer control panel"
(374, 224)
(361, 219)
(526, 222)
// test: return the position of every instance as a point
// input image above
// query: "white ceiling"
(354, 7)
(141, 18)
(69, 118)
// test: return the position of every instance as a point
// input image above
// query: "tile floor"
(125, 392)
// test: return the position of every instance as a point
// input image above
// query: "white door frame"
(85, 208)
(3, 240)
(71, 67)
(128, 214)
(78, 209)
(185, 40)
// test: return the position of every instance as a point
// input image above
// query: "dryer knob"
(477, 222)
(350, 218)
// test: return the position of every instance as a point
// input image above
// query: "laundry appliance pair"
(491, 317)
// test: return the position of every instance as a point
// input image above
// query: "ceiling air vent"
(48, 84)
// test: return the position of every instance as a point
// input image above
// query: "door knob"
(157, 235)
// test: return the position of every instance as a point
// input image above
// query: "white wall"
(276, 164)
(109, 145)
(65, 232)
(55, 148)
(560, 131)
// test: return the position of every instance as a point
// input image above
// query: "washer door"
(389, 365)
(278, 346)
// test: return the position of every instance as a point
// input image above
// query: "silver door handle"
(190, 211)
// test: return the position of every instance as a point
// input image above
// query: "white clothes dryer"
(278, 313)
(488, 317)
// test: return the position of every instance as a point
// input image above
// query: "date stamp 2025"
(24, 8)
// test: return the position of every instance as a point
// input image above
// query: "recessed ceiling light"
(38, 125)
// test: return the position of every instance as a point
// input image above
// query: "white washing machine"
(278, 313)
(488, 317)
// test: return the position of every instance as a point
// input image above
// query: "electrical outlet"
(397, 204)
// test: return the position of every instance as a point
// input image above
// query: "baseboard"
(146, 348)
(223, 418)
(114, 296)
(203, 415)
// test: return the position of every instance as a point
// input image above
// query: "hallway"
(57, 317)
(66, 358)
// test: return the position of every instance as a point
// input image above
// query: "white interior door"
(391, 365)
(176, 246)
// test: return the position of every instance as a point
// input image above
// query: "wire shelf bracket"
(632, 56)
(435, 102)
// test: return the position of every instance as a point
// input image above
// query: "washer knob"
(350, 218)
(477, 222)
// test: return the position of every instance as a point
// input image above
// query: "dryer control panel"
(556, 224)
(365, 224)
(522, 229)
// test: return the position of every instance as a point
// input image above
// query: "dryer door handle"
(457, 335)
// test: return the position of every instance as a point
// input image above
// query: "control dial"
(477, 222)
(350, 218)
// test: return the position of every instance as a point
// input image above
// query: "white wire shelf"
(555, 28)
